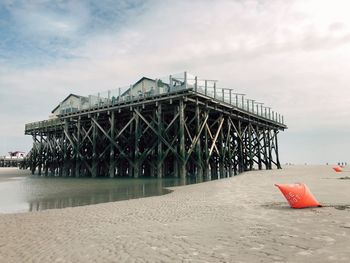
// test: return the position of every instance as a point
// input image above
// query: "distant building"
(145, 87)
(70, 104)
(17, 154)
(142, 88)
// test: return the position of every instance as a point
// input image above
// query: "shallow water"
(21, 192)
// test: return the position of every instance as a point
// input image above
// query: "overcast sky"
(292, 55)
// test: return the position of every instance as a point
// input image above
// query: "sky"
(292, 55)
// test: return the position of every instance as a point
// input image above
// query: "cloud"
(291, 55)
(38, 33)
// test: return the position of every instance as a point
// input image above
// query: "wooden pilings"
(181, 136)
(112, 161)
(182, 168)
(159, 163)
(6, 161)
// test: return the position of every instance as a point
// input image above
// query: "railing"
(42, 124)
(14, 158)
(237, 100)
(117, 96)
(147, 88)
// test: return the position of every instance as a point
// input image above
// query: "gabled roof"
(142, 79)
(16, 152)
(70, 95)
(139, 81)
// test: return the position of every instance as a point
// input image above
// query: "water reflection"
(69, 192)
(33, 193)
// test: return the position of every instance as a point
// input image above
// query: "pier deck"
(7, 161)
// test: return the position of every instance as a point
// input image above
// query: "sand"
(239, 219)
(7, 173)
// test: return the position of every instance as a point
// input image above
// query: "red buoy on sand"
(338, 169)
(298, 195)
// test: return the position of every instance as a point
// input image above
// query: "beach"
(239, 219)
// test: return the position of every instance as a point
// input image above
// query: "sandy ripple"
(241, 219)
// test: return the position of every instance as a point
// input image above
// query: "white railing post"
(214, 90)
(195, 84)
(130, 89)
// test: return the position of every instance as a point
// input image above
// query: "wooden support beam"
(269, 148)
(216, 137)
(160, 136)
(265, 151)
(40, 155)
(258, 138)
(250, 147)
(159, 141)
(94, 147)
(182, 168)
(130, 143)
(136, 146)
(175, 160)
(60, 142)
(121, 151)
(197, 138)
(240, 148)
(212, 137)
(77, 149)
(52, 150)
(222, 151)
(65, 149)
(112, 147)
(197, 141)
(47, 158)
(72, 152)
(278, 164)
(229, 142)
(188, 132)
(206, 149)
(33, 155)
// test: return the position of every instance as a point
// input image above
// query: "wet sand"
(7, 173)
(239, 219)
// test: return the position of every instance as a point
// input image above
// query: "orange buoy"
(298, 195)
(338, 169)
